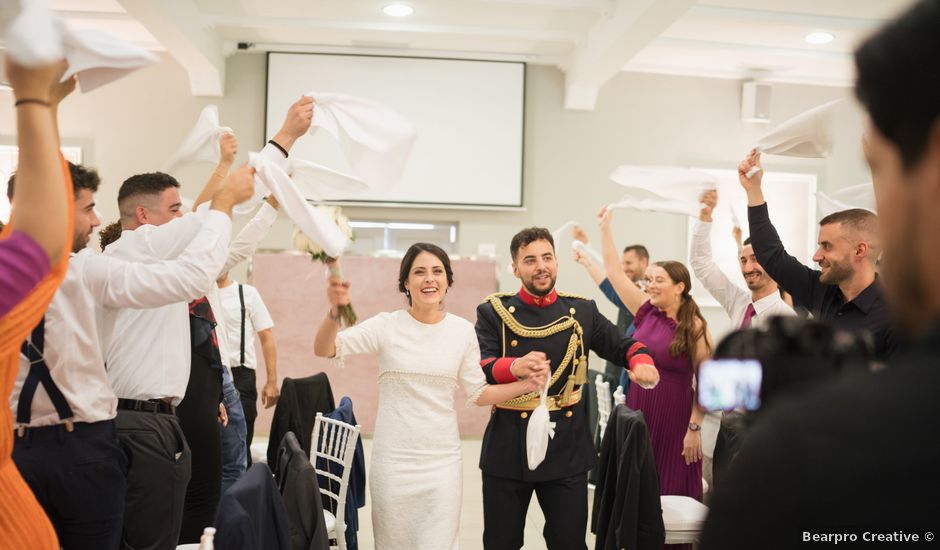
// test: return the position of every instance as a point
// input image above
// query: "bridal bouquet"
(303, 243)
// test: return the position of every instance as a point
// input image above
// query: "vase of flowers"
(305, 244)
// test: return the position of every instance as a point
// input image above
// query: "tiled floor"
(471, 517)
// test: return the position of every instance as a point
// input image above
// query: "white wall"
(135, 124)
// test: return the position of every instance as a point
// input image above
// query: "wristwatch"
(694, 427)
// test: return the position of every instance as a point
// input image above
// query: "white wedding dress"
(415, 477)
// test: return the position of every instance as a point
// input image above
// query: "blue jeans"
(234, 448)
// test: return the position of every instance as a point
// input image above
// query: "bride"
(424, 353)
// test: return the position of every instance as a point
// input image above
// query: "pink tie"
(749, 314)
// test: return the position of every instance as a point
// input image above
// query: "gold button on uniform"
(512, 309)
(571, 311)
(569, 414)
(514, 343)
(524, 415)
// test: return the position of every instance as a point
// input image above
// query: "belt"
(554, 403)
(152, 406)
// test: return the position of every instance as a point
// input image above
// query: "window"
(9, 155)
(394, 238)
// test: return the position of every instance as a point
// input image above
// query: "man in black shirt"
(856, 459)
(846, 291)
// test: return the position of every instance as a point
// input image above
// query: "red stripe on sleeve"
(501, 372)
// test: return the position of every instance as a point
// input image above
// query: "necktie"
(749, 314)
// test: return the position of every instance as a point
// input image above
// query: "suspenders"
(241, 299)
(39, 373)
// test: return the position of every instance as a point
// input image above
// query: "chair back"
(335, 442)
(603, 403)
(620, 398)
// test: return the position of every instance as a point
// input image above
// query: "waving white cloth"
(663, 206)
(375, 140)
(539, 431)
(319, 183)
(675, 190)
(316, 224)
(587, 249)
(856, 196)
(98, 58)
(36, 36)
(808, 134)
(31, 33)
(202, 142)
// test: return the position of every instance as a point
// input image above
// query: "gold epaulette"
(497, 295)
(576, 296)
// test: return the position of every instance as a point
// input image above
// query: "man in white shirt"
(67, 446)
(245, 315)
(751, 307)
(148, 353)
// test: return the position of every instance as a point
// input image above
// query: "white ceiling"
(590, 40)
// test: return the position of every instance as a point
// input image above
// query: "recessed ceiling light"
(819, 38)
(398, 10)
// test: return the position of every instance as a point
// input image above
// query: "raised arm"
(630, 294)
(228, 148)
(794, 277)
(703, 264)
(337, 293)
(42, 197)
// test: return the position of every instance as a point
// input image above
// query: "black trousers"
(563, 501)
(246, 383)
(199, 417)
(157, 476)
(79, 478)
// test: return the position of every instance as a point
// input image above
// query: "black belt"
(152, 406)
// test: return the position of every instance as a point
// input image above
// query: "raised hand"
(228, 148)
(39, 83)
(709, 200)
(337, 293)
(580, 234)
(750, 165)
(239, 185)
(604, 217)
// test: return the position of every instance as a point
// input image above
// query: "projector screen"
(469, 117)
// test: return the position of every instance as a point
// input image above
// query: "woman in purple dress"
(670, 324)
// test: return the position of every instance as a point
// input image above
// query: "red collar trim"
(537, 301)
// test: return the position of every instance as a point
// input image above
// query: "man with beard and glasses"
(538, 331)
(747, 308)
(846, 290)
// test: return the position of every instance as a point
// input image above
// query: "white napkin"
(317, 182)
(735, 220)
(856, 196)
(808, 134)
(202, 142)
(31, 33)
(587, 249)
(668, 182)
(664, 206)
(539, 431)
(313, 222)
(36, 36)
(375, 140)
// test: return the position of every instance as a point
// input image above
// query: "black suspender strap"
(241, 299)
(39, 373)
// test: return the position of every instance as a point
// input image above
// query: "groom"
(539, 330)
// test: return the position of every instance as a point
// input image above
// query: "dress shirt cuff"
(267, 213)
(638, 355)
(273, 154)
(501, 370)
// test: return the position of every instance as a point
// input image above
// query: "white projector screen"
(469, 117)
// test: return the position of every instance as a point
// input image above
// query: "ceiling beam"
(387, 26)
(180, 27)
(611, 42)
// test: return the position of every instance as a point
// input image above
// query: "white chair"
(620, 398)
(603, 403)
(683, 518)
(336, 443)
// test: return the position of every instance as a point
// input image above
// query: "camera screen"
(727, 384)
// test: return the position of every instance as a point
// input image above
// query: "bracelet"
(279, 148)
(28, 100)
